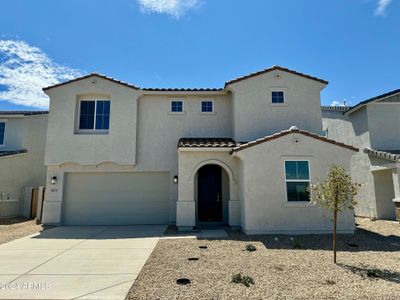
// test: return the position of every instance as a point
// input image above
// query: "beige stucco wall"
(373, 126)
(143, 134)
(254, 116)
(65, 145)
(384, 125)
(23, 170)
(157, 132)
(264, 187)
(353, 130)
(13, 133)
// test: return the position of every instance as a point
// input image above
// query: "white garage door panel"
(116, 198)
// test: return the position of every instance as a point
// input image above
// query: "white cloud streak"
(344, 102)
(381, 7)
(173, 8)
(25, 70)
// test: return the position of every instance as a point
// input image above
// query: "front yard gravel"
(278, 270)
(15, 228)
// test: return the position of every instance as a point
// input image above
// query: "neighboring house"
(374, 127)
(22, 145)
(118, 154)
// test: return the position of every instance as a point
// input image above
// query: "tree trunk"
(334, 232)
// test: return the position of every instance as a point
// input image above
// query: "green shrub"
(245, 280)
(295, 243)
(374, 273)
(250, 248)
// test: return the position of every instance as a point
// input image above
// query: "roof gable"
(273, 68)
(372, 100)
(187, 89)
(291, 130)
(92, 75)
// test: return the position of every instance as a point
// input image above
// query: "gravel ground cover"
(15, 228)
(282, 268)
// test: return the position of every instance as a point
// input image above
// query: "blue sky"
(354, 44)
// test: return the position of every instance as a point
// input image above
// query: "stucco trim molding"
(213, 162)
(96, 165)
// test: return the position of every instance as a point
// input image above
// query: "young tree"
(335, 193)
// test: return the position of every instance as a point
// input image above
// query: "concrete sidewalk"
(76, 262)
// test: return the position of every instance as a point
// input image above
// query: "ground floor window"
(297, 175)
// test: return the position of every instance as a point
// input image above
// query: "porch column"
(53, 197)
(396, 186)
(185, 206)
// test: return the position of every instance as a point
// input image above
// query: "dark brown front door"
(209, 203)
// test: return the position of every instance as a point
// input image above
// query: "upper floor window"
(2, 132)
(297, 174)
(278, 97)
(207, 106)
(177, 106)
(94, 115)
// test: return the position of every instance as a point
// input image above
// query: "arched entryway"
(212, 194)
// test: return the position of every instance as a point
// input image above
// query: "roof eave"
(45, 89)
(290, 131)
(372, 100)
(273, 68)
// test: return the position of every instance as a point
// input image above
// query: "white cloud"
(25, 70)
(381, 7)
(173, 8)
(340, 103)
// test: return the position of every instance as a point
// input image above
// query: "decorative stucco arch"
(223, 165)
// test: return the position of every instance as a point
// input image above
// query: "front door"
(209, 205)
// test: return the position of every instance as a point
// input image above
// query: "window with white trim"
(94, 115)
(278, 97)
(297, 173)
(207, 106)
(2, 132)
(176, 106)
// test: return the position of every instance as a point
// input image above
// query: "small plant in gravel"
(251, 248)
(374, 273)
(278, 268)
(330, 282)
(245, 280)
(296, 244)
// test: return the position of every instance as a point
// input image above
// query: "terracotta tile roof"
(273, 68)
(207, 143)
(291, 130)
(393, 155)
(377, 98)
(186, 89)
(335, 108)
(183, 89)
(90, 75)
(10, 153)
(23, 112)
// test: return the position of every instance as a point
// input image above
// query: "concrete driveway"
(76, 262)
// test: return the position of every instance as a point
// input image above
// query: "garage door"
(115, 198)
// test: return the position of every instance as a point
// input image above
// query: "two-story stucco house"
(373, 126)
(241, 155)
(22, 147)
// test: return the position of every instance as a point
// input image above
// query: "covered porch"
(385, 168)
(208, 187)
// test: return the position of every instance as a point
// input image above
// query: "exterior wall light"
(53, 180)
(176, 179)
